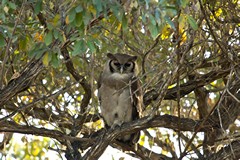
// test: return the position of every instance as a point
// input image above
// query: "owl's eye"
(127, 64)
(117, 64)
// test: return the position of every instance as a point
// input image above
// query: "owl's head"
(121, 63)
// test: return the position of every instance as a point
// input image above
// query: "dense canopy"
(51, 55)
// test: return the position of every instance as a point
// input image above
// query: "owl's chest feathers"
(118, 81)
(116, 105)
(116, 98)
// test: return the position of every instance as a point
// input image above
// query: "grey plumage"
(120, 93)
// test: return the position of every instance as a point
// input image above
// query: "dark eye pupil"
(117, 64)
(127, 64)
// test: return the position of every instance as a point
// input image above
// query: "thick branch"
(10, 126)
(166, 121)
(185, 124)
(85, 85)
(186, 88)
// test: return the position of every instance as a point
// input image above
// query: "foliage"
(52, 52)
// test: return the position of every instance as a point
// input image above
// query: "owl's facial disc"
(121, 68)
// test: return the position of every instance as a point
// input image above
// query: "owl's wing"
(99, 82)
(137, 97)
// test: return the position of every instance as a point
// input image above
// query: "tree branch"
(186, 88)
(167, 121)
(22, 82)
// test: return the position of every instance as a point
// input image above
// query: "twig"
(146, 54)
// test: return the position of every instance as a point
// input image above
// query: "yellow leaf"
(38, 37)
(165, 32)
(142, 140)
(56, 20)
(46, 59)
(92, 10)
(218, 12)
(64, 37)
(35, 151)
(184, 36)
(27, 156)
(169, 87)
(118, 28)
(67, 20)
(96, 35)
(17, 118)
(106, 33)
(182, 21)
(213, 83)
(98, 124)
(164, 152)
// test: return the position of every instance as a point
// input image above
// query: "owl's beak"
(121, 69)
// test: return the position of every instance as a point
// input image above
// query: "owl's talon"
(116, 125)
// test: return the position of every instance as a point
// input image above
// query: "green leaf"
(158, 16)
(48, 38)
(79, 9)
(79, 47)
(12, 5)
(4, 2)
(192, 22)
(62, 37)
(184, 3)
(79, 19)
(170, 22)
(117, 11)
(153, 30)
(86, 17)
(72, 15)
(124, 23)
(144, 19)
(50, 26)
(76, 48)
(152, 19)
(171, 11)
(37, 50)
(23, 43)
(91, 46)
(40, 52)
(38, 7)
(2, 41)
(98, 4)
(56, 33)
(56, 20)
(55, 61)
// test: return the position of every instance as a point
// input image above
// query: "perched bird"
(120, 94)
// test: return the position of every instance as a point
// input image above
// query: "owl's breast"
(117, 81)
(116, 105)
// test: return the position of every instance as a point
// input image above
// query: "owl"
(119, 92)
